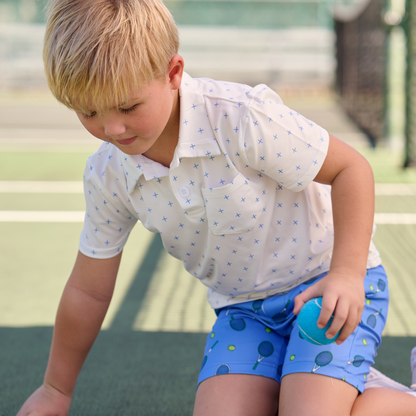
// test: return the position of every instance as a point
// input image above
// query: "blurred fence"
(22, 11)
(284, 43)
(409, 25)
(263, 14)
(361, 50)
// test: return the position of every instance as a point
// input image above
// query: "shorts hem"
(265, 370)
(334, 372)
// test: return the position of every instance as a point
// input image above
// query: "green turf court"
(147, 357)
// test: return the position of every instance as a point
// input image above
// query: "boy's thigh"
(241, 367)
(349, 362)
(245, 343)
(237, 395)
(240, 344)
(304, 394)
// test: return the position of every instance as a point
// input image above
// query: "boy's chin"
(129, 152)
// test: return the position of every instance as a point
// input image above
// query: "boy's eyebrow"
(121, 104)
(127, 102)
(115, 107)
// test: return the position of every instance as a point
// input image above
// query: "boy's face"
(147, 123)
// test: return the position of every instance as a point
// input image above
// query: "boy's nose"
(114, 128)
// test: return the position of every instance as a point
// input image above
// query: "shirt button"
(183, 191)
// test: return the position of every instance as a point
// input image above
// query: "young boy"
(262, 205)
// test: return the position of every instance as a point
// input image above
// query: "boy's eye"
(90, 115)
(128, 110)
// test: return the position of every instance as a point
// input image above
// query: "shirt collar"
(196, 137)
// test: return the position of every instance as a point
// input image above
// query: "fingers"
(299, 302)
(342, 299)
(329, 302)
(349, 325)
(303, 297)
(346, 318)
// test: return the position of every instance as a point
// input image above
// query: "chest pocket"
(233, 208)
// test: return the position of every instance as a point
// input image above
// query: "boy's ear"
(175, 73)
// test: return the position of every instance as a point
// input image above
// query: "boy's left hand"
(343, 295)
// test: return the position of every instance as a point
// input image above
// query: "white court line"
(72, 138)
(395, 189)
(78, 216)
(35, 187)
(42, 216)
(76, 187)
(394, 219)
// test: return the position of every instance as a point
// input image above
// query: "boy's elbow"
(94, 278)
(343, 160)
(89, 293)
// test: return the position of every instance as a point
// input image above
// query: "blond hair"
(97, 51)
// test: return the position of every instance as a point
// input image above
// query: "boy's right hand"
(46, 401)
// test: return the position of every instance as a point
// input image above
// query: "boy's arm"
(81, 311)
(352, 182)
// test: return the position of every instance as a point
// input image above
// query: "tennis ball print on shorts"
(322, 359)
(263, 350)
(223, 368)
(381, 287)
(373, 294)
(237, 324)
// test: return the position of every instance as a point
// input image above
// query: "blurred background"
(349, 65)
(356, 48)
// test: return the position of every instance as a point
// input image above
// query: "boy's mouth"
(125, 142)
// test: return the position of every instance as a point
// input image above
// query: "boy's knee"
(307, 394)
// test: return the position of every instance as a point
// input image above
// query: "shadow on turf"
(127, 373)
(134, 298)
(132, 373)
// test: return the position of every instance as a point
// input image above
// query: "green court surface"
(147, 357)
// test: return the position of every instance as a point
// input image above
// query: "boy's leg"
(384, 402)
(242, 365)
(305, 394)
(326, 379)
(237, 395)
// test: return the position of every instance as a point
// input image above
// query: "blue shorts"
(261, 337)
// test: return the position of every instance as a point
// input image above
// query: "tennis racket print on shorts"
(265, 349)
(321, 360)
(261, 337)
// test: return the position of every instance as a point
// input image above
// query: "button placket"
(184, 191)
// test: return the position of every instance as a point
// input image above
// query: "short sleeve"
(108, 221)
(282, 143)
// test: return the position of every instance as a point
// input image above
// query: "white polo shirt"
(238, 205)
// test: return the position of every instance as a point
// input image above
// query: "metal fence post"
(410, 128)
(361, 71)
